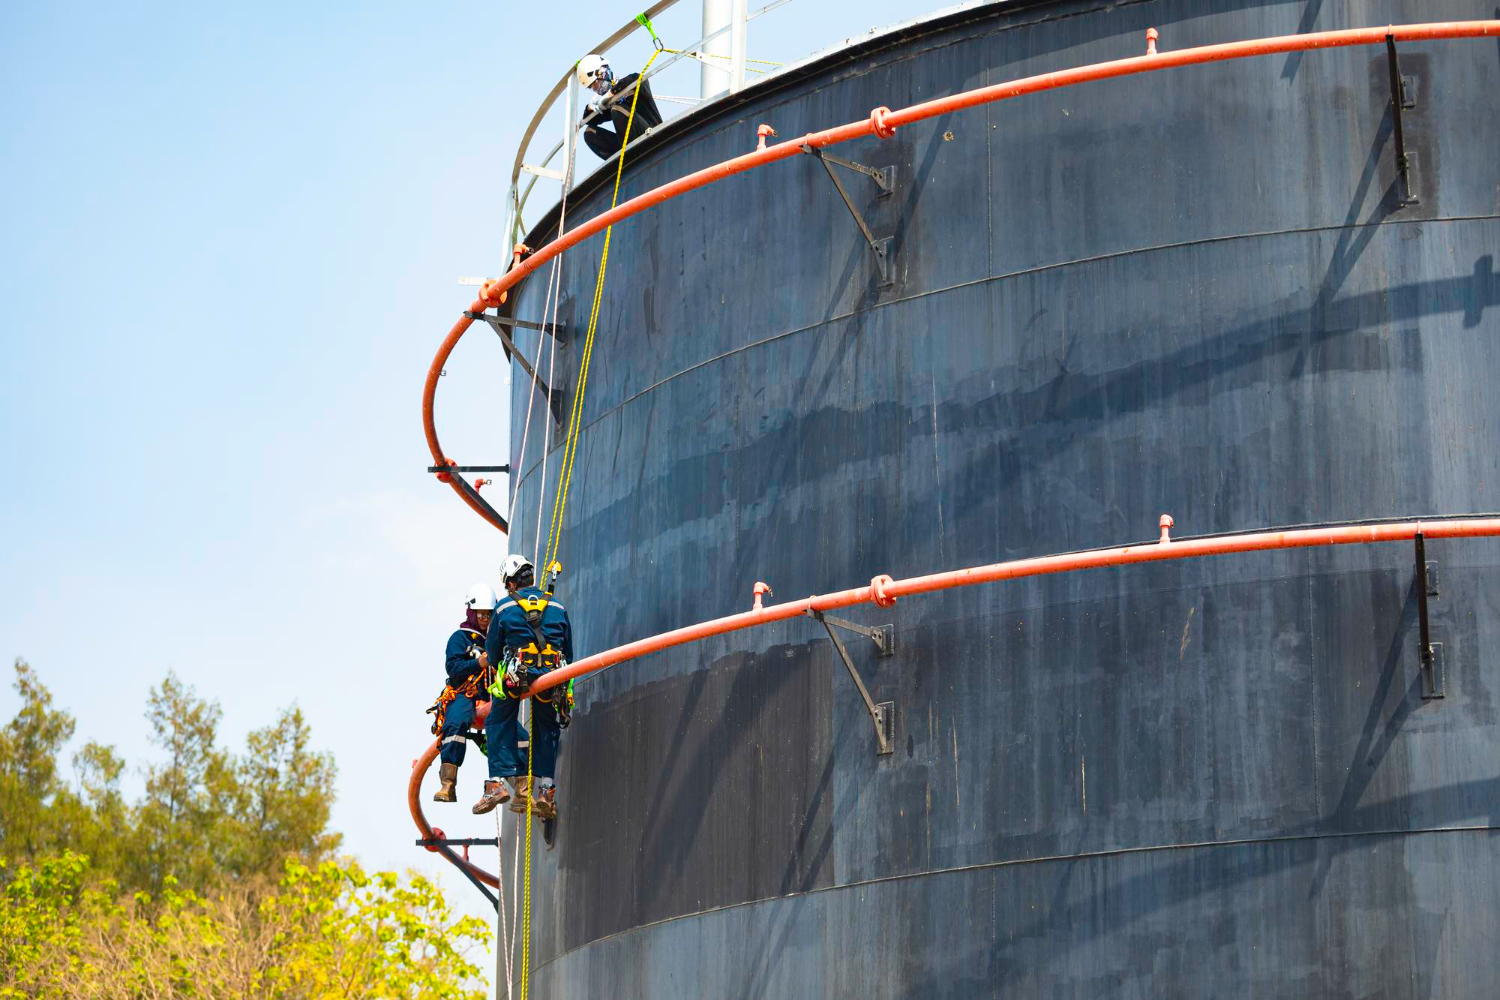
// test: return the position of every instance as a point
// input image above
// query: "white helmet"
(481, 597)
(590, 67)
(514, 565)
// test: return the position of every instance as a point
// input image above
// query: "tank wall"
(1194, 292)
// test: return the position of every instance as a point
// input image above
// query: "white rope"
(541, 493)
(547, 305)
(515, 883)
(515, 872)
(551, 304)
(500, 896)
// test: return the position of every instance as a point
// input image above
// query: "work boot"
(495, 794)
(545, 803)
(522, 786)
(448, 789)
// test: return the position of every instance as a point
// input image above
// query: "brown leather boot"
(448, 789)
(545, 803)
(495, 794)
(522, 798)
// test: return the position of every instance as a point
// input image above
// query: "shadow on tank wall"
(1195, 294)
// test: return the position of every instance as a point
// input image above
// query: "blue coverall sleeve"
(567, 641)
(460, 663)
(494, 640)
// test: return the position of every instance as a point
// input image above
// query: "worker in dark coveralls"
(468, 677)
(612, 104)
(529, 635)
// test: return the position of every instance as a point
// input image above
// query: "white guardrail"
(723, 44)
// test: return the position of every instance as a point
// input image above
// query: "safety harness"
(532, 660)
(470, 688)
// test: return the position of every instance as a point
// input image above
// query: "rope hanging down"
(570, 447)
(560, 500)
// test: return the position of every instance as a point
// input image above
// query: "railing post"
(738, 21)
(508, 230)
(713, 74)
(570, 133)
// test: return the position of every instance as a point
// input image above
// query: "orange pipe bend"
(883, 122)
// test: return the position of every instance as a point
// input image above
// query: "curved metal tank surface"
(1192, 292)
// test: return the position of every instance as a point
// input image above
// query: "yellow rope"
(570, 447)
(560, 506)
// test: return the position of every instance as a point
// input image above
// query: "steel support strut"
(1400, 100)
(561, 329)
(885, 179)
(1431, 652)
(554, 401)
(883, 636)
(882, 715)
(468, 468)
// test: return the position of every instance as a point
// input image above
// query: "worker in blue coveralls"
(529, 635)
(469, 675)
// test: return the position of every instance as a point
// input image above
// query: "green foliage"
(217, 883)
(327, 931)
(29, 745)
(206, 815)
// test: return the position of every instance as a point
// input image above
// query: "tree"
(29, 745)
(281, 801)
(186, 795)
(206, 814)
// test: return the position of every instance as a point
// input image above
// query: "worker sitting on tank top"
(612, 104)
(531, 635)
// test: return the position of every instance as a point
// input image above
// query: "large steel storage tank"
(1196, 292)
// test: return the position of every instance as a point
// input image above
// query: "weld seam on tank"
(1015, 863)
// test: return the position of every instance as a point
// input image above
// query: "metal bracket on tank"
(1431, 652)
(459, 842)
(1401, 99)
(884, 637)
(498, 324)
(445, 845)
(468, 468)
(885, 179)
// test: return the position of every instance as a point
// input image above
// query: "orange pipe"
(884, 591)
(883, 122)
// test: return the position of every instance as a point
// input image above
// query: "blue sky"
(231, 241)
